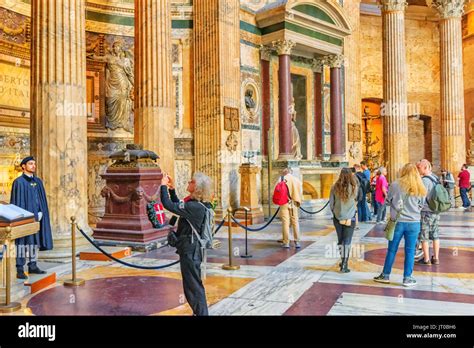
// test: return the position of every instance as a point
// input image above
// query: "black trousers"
(194, 291)
(24, 251)
(344, 237)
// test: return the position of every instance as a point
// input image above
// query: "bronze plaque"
(354, 132)
(231, 119)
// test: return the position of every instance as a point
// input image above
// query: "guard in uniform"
(28, 193)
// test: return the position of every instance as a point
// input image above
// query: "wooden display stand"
(9, 231)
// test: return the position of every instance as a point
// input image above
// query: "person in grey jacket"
(405, 196)
(343, 200)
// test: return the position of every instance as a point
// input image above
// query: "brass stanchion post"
(8, 307)
(230, 266)
(73, 281)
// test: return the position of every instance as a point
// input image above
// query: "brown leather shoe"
(434, 261)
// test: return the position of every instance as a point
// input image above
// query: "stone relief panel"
(14, 28)
(183, 172)
(99, 150)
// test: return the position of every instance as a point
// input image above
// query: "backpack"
(206, 237)
(363, 182)
(438, 199)
(281, 194)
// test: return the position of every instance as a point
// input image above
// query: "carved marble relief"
(183, 172)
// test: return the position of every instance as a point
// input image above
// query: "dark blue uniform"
(28, 193)
(190, 253)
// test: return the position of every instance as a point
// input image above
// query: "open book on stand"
(10, 213)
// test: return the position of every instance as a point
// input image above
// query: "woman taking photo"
(405, 198)
(193, 211)
(343, 202)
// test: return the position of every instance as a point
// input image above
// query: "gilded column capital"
(449, 8)
(393, 5)
(283, 46)
(318, 65)
(335, 61)
(265, 53)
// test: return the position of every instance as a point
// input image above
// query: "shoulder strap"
(432, 179)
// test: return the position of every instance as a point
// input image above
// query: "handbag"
(391, 224)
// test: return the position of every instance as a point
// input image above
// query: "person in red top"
(464, 186)
(381, 190)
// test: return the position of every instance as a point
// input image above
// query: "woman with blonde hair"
(405, 197)
(343, 203)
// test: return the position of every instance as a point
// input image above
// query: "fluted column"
(284, 98)
(154, 90)
(318, 67)
(265, 57)
(58, 113)
(217, 85)
(337, 127)
(394, 109)
(453, 132)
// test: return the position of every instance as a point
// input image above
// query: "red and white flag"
(160, 213)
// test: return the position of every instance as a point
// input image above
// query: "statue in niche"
(250, 104)
(119, 81)
(296, 145)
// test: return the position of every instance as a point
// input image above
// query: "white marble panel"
(359, 304)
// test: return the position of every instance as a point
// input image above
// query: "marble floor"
(276, 281)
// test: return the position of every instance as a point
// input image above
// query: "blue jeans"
(465, 200)
(363, 211)
(381, 211)
(374, 203)
(410, 232)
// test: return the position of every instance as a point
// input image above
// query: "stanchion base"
(72, 282)
(12, 307)
(231, 267)
(246, 256)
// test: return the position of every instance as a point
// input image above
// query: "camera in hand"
(173, 220)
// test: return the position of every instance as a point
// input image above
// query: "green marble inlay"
(112, 19)
(250, 28)
(182, 24)
(315, 12)
(301, 30)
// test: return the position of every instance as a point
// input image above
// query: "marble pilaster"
(265, 57)
(394, 110)
(58, 114)
(453, 132)
(154, 88)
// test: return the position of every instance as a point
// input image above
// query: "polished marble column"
(318, 68)
(335, 63)
(59, 113)
(284, 98)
